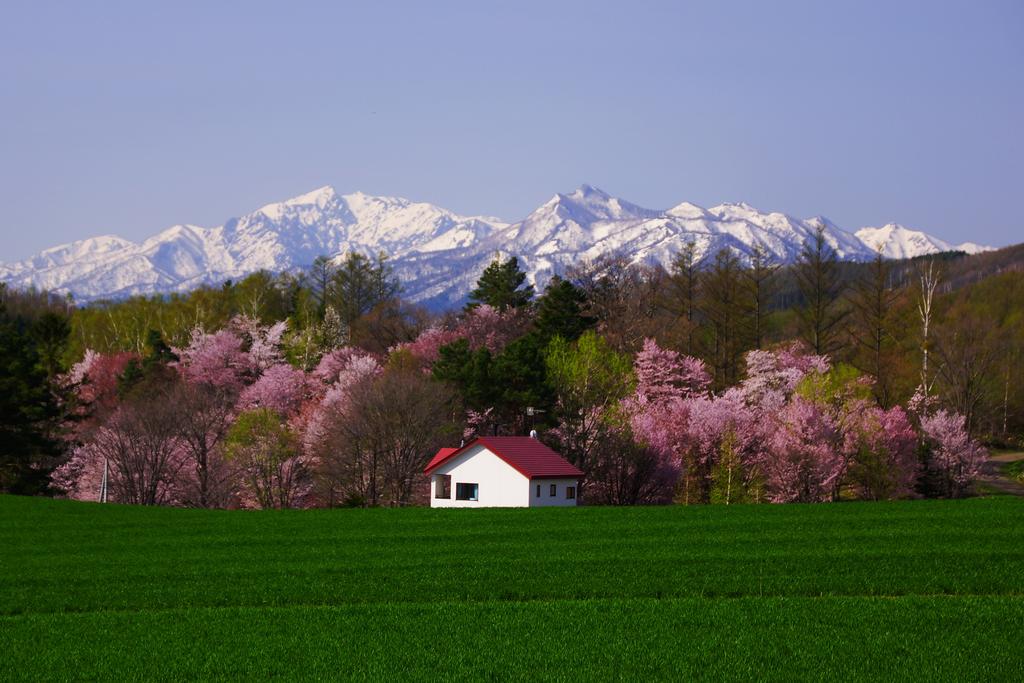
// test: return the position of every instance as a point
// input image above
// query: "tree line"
(326, 388)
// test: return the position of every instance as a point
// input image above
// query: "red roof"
(441, 455)
(527, 455)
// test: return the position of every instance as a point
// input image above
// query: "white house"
(502, 471)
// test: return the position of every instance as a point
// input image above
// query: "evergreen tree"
(685, 281)
(560, 312)
(359, 284)
(28, 412)
(817, 276)
(501, 285)
(758, 285)
(469, 371)
(722, 306)
(50, 333)
(320, 276)
(519, 376)
(873, 299)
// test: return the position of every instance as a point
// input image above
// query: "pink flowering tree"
(773, 376)
(484, 326)
(340, 364)
(263, 343)
(218, 360)
(281, 388)
(803, 463)
(663, 374)
(724, 459)
(426, 348)
(338, 376)
(81, 476)
(672, 414)
(93, 383)
(953, 457)
(881, 449)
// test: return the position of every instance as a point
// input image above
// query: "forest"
(718, 380)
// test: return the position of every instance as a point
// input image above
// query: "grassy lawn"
(1014, 470)
(911, 590)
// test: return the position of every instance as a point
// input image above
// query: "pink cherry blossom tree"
(216, 359)
(773, 375)
(93, 383)
(724, 459)
(281, 388)
(803, 461)
(426, 348)
(880, 446)
(484, 326)
(953, 456)
(663, 374)
(264, 343)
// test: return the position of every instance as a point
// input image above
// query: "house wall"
(501, 485)
(545, 499)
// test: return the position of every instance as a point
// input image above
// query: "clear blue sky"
(129, 117)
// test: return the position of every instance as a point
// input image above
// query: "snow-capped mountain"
(897, 241)
(437, 253)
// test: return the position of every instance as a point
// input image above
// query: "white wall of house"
(545, 499)
(501, 485)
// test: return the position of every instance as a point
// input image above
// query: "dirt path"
(993, 478)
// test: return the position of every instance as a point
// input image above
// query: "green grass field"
(910, 590)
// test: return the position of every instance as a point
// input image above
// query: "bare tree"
(622, 296)
(141, 446)
(625, 473)
(205, 419)
(928, 277)
(966, 355)
(374, 448)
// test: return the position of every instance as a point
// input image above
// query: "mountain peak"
(735, 206)
(436, 252)
(319, 196)
(687, 210)
(586, 190)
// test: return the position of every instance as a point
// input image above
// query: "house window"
(443, 486)
(467, 491)
(538, 490)
(554, 490)
(570, 492)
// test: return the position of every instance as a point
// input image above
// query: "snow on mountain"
(897, 241)
(438, 254)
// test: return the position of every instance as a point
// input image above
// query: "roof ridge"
(536, 462)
